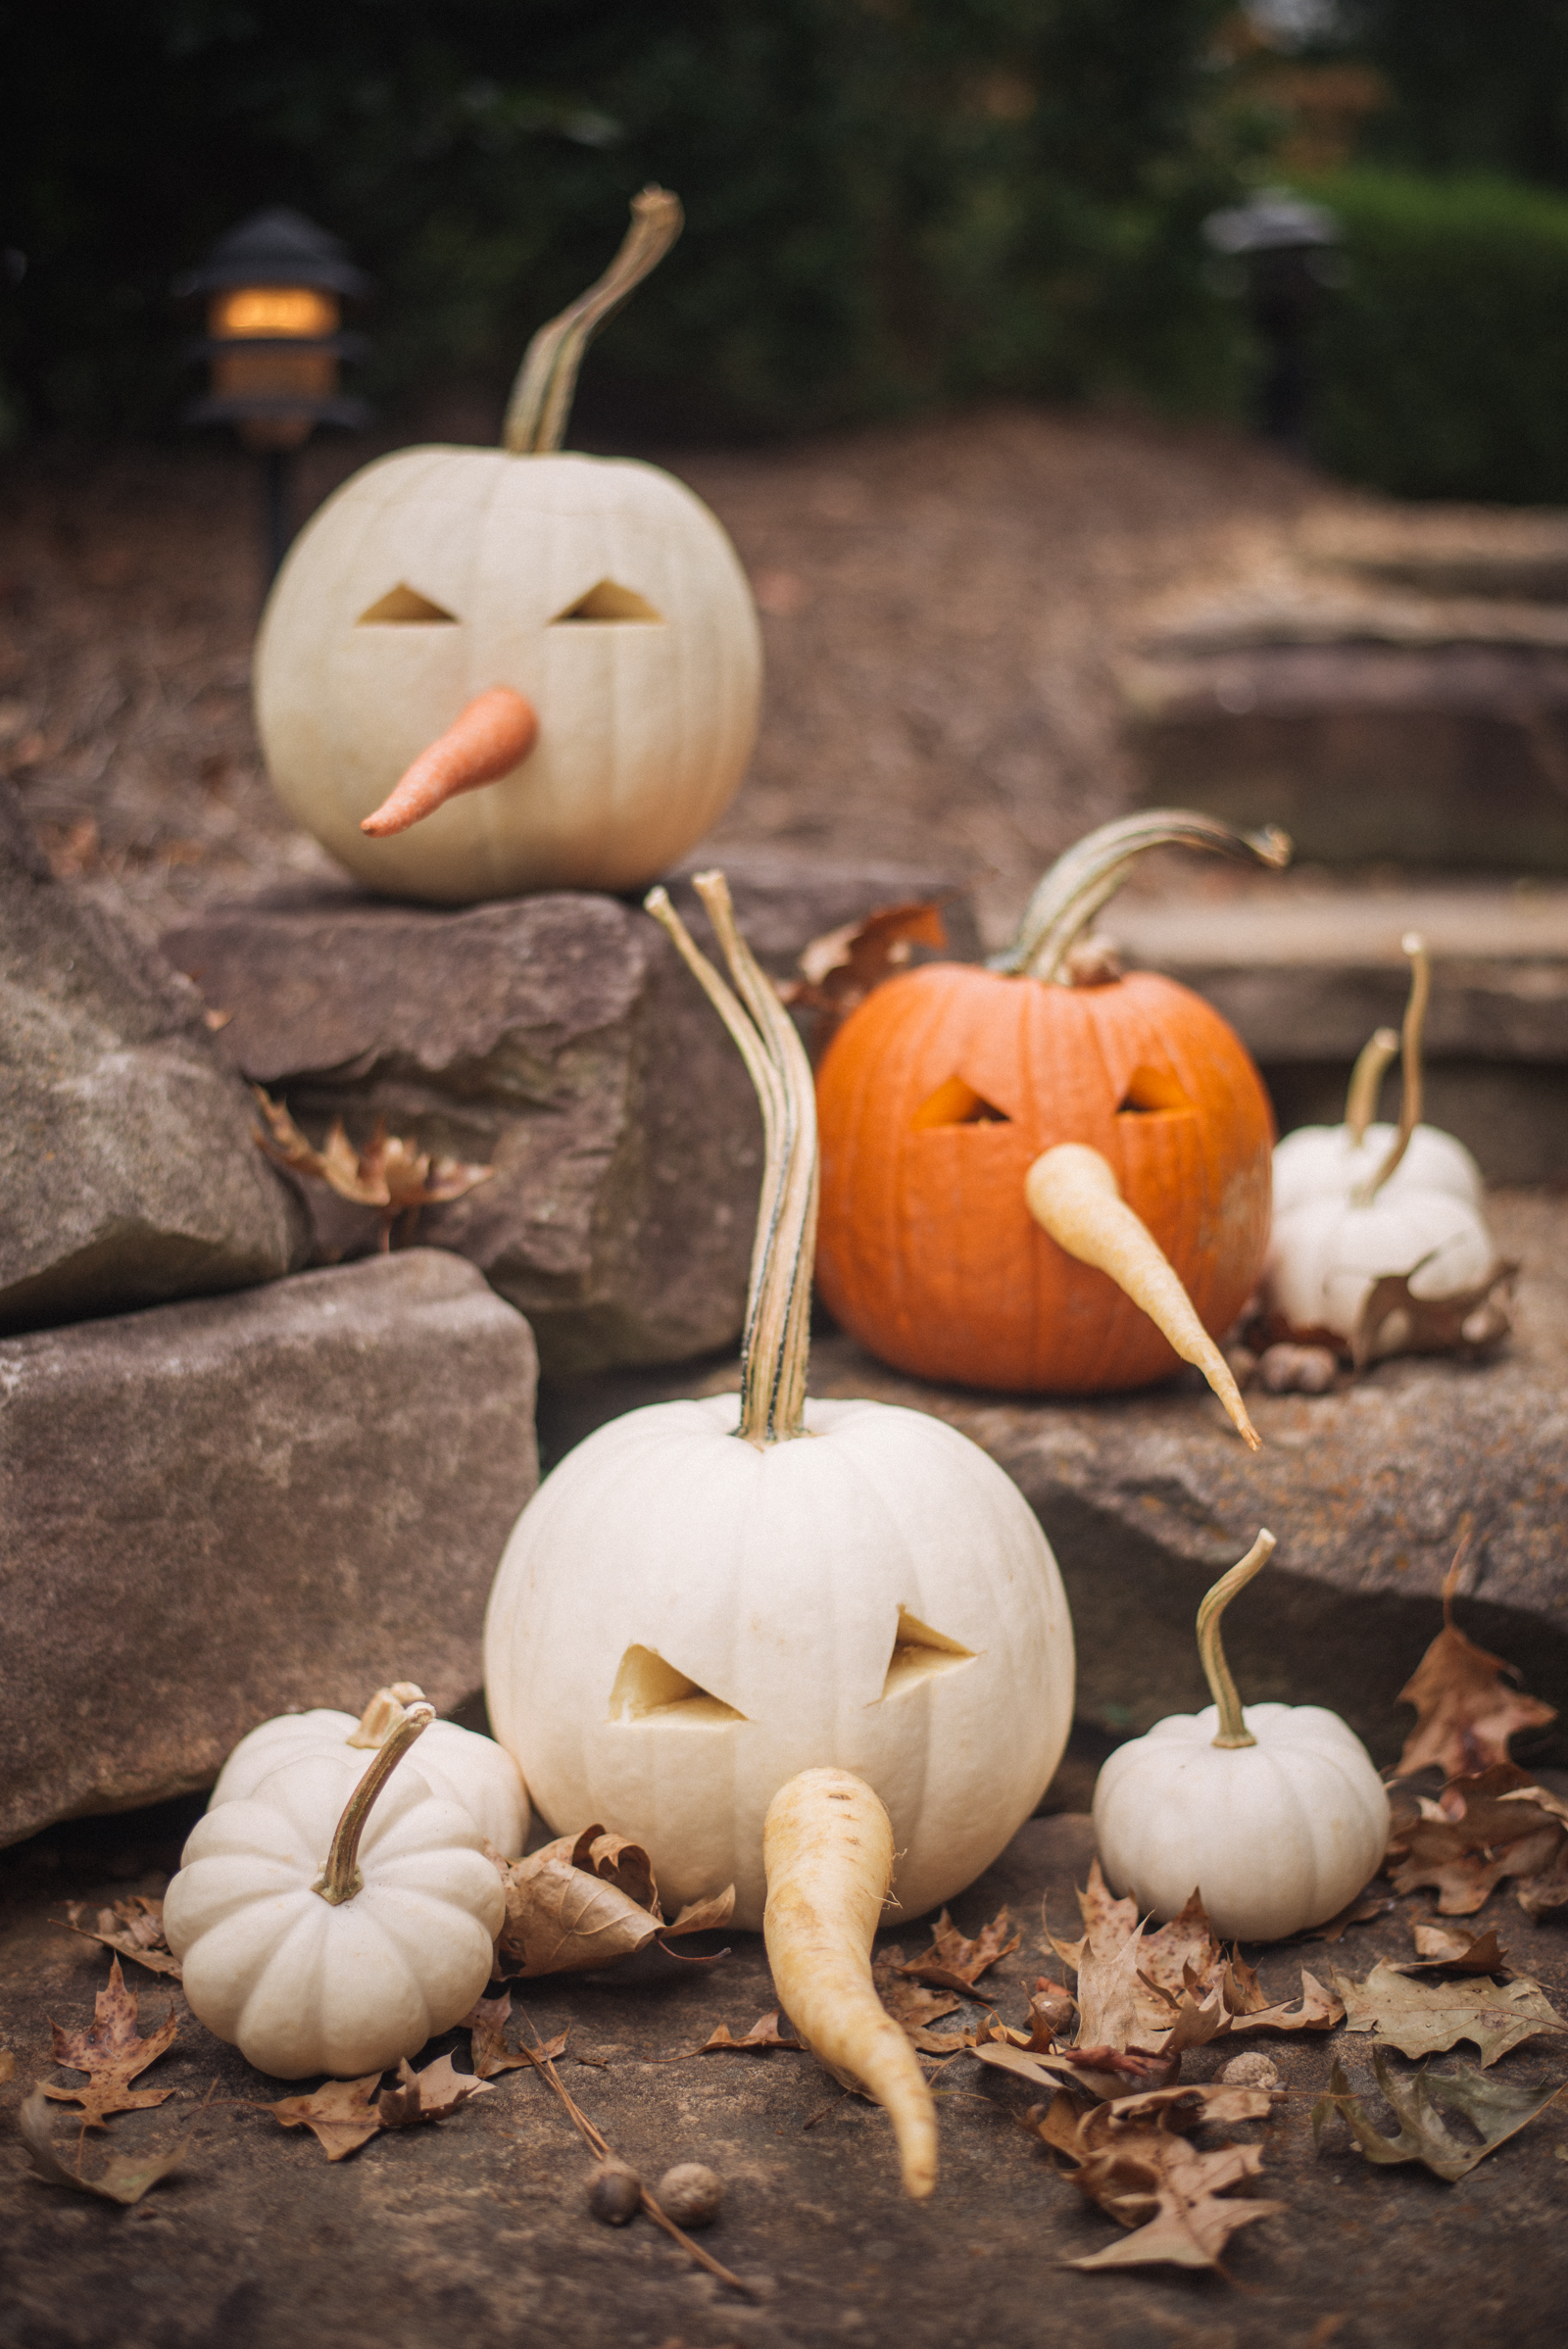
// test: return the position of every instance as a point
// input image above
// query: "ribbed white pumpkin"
(1278, 1830)
(1317, 1162)
(603, 590)
(302, 1984)
(1324, 1259)
(687, 1616)
(475, 1773)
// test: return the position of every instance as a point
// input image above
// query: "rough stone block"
(127, 1167)
(559, 1040)
(216, 1511)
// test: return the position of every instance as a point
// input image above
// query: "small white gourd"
(1360, 1203)
(459, 1765)
(708, 1597)
(333, 1921)
(1275, 1813)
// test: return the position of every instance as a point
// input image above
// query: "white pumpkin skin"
(644, 726)
(1325, 1256)
(772, 1579)
(459, 1766)
(1276, 1836)
(1325, 1162)
(301, 1987)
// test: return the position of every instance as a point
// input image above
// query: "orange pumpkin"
(938, 1093)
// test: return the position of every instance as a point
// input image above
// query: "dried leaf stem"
(540, 405)
(1379, 1051)
(776, 1341)
(340, 1879)
(1232, 1729)
(1080, 882)
(539, 2056)
(1411, 1074)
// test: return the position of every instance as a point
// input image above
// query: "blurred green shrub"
(1442, 362)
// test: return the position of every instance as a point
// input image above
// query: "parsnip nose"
(487, 740)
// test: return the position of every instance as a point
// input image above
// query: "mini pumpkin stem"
(1380, 1050)
(776, 1341)
(340, 1879)
(1082, 879)
(540, 405)
(382, 1714)
(1232, 1729)
(1410, 1071)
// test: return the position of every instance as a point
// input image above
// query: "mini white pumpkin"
(1361, 1209)
(601, 595)
(1275, 1814)
(333, 1922)
(708, 1597)
(457, 1764)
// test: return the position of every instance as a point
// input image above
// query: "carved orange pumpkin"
(943, 1089)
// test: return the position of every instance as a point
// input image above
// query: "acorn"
(614, 2194)
(690, 2194)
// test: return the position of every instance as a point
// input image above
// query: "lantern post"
(274, 344)
(1282, 255)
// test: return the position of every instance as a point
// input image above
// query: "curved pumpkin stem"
(1380, 1050)
(541, 399)
(1232, 1729)
(340, 1879)
(1410, 1086)
(1072, 1193)
(1085, 876)
(381, 1716)
(778, 1338)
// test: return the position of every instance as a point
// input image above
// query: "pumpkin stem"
(1367, 1079)
(382, 1714)
(1233, 1729)
(778, 1338)
(1086, 875)
(541, 399)
(340, 1879)
(1415, 1012)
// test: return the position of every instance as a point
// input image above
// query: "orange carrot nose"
(492, 736)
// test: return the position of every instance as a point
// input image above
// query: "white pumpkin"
(601, 590)
(1275, 1814)
(708, 1597)
(332, 1921)
(1330, 1162)
(475, 1773)
(1325, 1259)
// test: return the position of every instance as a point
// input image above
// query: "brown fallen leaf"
(952, 1962)
(914, 2004)
(8, 2062)
(341, 2114)
(1130, 2160)
(1465, 1713)
(589, 1900)
(842, 967)
(122, 2177)
(1423, 2018)
(427, 2095)
(486, 2024)
(1460, 1948)
(763, 2034)
(390, 1174)
(1486, 1827)
(133, 1929)
(112, 2054)
(1497, 2109)
(1366, 1905)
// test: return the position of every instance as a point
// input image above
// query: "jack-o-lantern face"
(603, 592)
(879, 1596)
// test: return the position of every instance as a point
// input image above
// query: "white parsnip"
(827, 1850)
(1072, 1193)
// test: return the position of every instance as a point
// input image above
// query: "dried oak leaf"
(1446, 1945)
(389, 1174)
(952, 1962)
(134, 1928)
(763, 2034)
(1484, 1829)
(122, 2177)
(1423, 2018)
(1360, 1911)
(842, 967)
(1495, 2108)
(341, 2114)
(1470, 1323)
(112, 2054)
(587, 1900)
(1130, 2160)
(427, 2095)
(1465, 1713)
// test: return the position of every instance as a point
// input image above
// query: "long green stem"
(1081, 881)
(1233, 1729)
(541, 399)
(340, 1879)
(776, 1342)
(1410, 1071)
(1372, 1064)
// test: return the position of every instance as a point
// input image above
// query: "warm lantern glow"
(265, 309)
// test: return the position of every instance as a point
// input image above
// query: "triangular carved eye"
(918, 1654)
(957, 1103)
(403, 606)
(647, 1689)
(1152, 1092)
(608, 600)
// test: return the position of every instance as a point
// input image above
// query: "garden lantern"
(274, 344)
(1283, 254)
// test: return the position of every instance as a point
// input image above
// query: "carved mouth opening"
(647, 1689)
(957, 1103)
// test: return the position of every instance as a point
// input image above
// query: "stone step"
(216, 1511)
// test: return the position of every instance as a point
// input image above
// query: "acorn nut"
(690, 2194)
(614, 2194)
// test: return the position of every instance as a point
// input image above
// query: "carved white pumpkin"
(706, 1598)
(602, 592)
